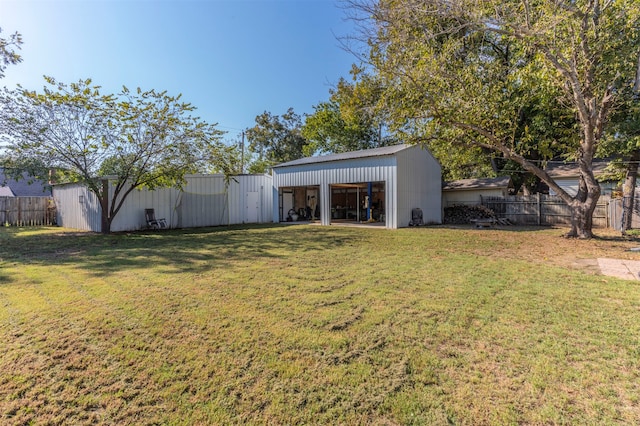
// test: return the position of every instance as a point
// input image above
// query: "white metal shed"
(381, 185)
(205, 200)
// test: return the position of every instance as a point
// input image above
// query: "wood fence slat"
(542, 210)
(27, 211)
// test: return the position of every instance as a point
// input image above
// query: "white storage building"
(205, 200)
(381, 185)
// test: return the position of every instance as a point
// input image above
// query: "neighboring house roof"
(374, 152)
(5, 191)
(501, 182)
(558, 169)
(24, 187)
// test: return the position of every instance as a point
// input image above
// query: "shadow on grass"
(186, 250)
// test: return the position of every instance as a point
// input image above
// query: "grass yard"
(316, 325)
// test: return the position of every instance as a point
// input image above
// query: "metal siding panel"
(266, 182)
(235, 202)
(238, 190)
(130, 217)
(325, 204)
(419, 186)
(350, 171)
(71, 213)
(203, 202)
(275, 207)
(570, 185)
(391, 198)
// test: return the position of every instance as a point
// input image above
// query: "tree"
(8, 54)
(276, 139)
(144, 139)
(461, 71)
(350, 120)
(624, 142)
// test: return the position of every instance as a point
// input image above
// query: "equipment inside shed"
(352, 202)
(359, 202)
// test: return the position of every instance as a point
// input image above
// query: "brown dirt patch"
(549, 246)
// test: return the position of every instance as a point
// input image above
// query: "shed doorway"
(253, 207)
(358, 203)
(300, 203)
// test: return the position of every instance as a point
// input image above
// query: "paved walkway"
(620, 268)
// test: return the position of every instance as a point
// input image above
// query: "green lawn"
(315, 325)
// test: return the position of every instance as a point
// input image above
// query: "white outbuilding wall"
(77, 207)
(419, 185)
(205, 200)
(411, 177)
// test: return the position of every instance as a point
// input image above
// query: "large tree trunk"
(582, 218)
(103, 196)
(106, 226)
(584, 203)
(629, 191)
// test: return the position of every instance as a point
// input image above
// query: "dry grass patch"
(305, 324)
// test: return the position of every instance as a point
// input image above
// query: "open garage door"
(358, 203)
(299, 203)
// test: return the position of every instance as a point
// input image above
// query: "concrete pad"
(620, 268)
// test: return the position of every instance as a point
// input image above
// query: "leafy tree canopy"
(529, 80)
(276, 139)
(142, 139)
(8, 53)
(350, 120)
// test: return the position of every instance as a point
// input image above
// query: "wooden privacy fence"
(27, 211)
(540, 209)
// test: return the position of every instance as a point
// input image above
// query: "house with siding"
(471, 191)
(567, 174)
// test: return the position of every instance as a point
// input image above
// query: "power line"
(229, 128)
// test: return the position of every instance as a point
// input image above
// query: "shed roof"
(374, 152)
(25, 187)
(483, 183)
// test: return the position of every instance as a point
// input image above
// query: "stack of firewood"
(461, 214)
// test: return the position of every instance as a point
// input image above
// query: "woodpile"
(461, 214)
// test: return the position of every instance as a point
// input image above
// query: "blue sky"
(232, 59)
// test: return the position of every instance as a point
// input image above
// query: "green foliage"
(8, 54)
(293, 325)
(351, 120)
(528, 80)
(141, 139)
(276, 139)
(259, 165)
